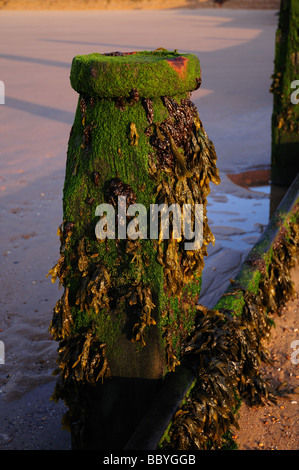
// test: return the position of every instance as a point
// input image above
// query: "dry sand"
(236, 50)
(133, 4)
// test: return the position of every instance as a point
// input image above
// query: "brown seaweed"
(148, 106)
(145, 316)
(183, 165)
(82, 359)
(185, 152)
(134, 136)
(227, 350)
(134, 95)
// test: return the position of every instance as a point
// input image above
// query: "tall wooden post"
(285, 88)
(128, 303)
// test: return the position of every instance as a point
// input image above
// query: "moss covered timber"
(229, 341)
(128, 304)
(158, 73)
(285, 117)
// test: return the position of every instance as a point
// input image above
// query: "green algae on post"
(128, 304)
(155, 73)
(285, 117)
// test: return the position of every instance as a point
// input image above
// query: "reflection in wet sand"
(238, 212)
(232, 231)
(251, 178)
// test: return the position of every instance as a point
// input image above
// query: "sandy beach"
(135, 4)
(236, 51)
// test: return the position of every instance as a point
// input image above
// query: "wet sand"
(236, 50)
(276, 426)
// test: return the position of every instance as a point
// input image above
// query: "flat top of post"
(151, 73)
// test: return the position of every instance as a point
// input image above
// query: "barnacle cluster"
(227, 349)
(117, 188)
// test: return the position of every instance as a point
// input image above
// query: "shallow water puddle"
(264, 189)
(238, 222)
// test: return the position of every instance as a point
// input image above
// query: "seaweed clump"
(183, 165)
(226, 350)
(285, 116)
